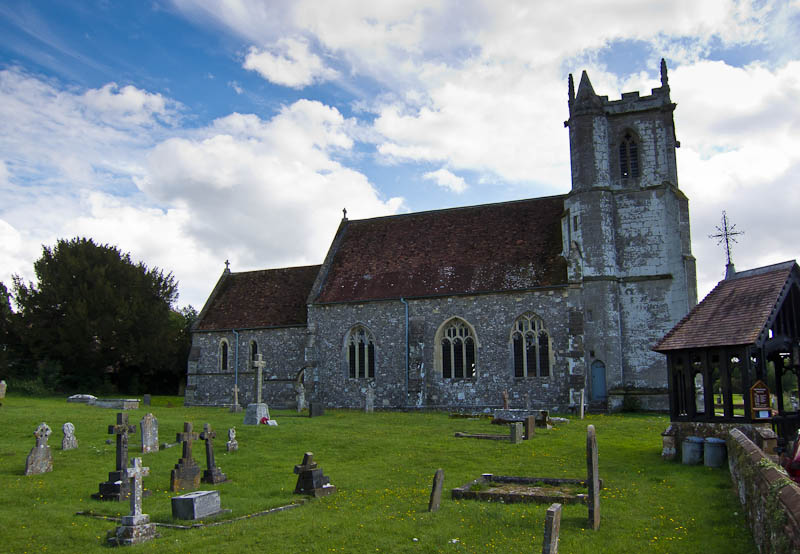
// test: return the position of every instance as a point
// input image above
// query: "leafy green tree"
(95, 317)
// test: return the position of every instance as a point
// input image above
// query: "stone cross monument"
(117, 486)
(259, 410)
(212, 474)
(136, 527)
(40, 459)
(186, 475)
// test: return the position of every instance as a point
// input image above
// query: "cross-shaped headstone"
(135, 474)
(259, 364)
(121, 429)
(208, 435)
(42, 433)
(186, 438)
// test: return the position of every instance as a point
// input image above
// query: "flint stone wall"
(770, 499)
(209, 384)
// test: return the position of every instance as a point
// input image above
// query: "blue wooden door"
(598, 380)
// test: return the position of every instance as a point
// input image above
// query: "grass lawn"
(383, 466)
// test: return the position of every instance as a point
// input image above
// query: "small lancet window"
(223, 355)
(458, 351)
(360, 353)
(628, 157)
(530, 344)
(253, 351)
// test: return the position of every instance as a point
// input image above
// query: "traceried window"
(458, 350)
(360, 353)
(223, 355)
(530, 343)
(628, 157)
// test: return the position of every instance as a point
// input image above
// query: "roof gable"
(251, 299)
(494, 247)
(734, 313)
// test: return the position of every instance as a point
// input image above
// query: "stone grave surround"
(40, 458)
(186, 475)
(118, 486)
(196, 505)
(136, 527)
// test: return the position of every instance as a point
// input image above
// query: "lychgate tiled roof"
(734, 313)
(268, 298)
(495, 247)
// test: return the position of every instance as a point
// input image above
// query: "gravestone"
(530, 427)
(528, 401)
(316, 409)
(300, 393)
(436, 491)
(196, 505)
(149, 428)
(310, 479)
(82, 398)
(117, 487)
(232, 443)
(552, 527)
(69, 442)
(146, 400)
(212, 474)
(2, 389)
(369, 400)
(40, 459)
(583, 399)
(515, 433)
(136, 527)
(255, 412)
(235, 407)
(592, 478)
(186, 475)
(505, 399)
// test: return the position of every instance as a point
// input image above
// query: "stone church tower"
(626, 237)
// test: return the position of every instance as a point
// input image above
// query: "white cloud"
(289, 63)
(447, 180)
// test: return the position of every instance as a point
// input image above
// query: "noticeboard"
(759, 401)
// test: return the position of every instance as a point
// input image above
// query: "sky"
(191, 132)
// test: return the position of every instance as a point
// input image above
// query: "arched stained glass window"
(360, 353)
(457, 348)
(530, 344)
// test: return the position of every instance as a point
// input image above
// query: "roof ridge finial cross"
(727, 234)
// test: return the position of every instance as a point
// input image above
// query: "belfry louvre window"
(458, 351)
(360, 353)
(530, 342)
(223, 355)
(628, 157)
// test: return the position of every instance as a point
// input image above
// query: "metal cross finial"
(344, 213)
(726, 234)
(227, 265)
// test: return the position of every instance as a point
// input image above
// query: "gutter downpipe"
(236, 363)
(405, 304)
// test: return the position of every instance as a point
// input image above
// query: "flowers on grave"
(264, 420)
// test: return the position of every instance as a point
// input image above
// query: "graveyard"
(374, 493)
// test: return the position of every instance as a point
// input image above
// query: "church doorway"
(598, 380)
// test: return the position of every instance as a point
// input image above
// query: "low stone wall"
(770, 499)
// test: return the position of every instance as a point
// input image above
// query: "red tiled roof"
(493, 247)
(267, 298)
(734, 313)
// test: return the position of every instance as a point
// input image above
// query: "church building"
(449, 309)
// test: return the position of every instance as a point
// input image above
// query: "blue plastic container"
(692, 451)
(715, 452)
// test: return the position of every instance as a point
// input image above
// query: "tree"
(97, 317)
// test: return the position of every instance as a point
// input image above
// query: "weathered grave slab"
(117, 486)
(3, 389)
(196, 505)
(316, 409)
(509, 489)
(232, 443)
(255, 412)
(186, 474)
(515, 433)
(212, 474)
(117, 403)
(148, 426)
(300, 397)
(436, 491)
(369, 400)
(69, 442)
(40, 458)
(82, 398)
(542, 417)
(552, 527)
(146, 399)
(310, 479)
(530, 427)
(136, 527)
